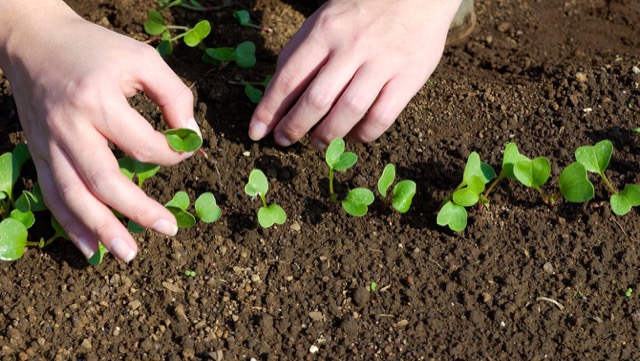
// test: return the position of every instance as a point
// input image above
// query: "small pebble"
(548, 268)
(296, 227)
(402, 323)
(316, 315)
(246, 153)
(635, 70)
(313, 349)
(581, 78)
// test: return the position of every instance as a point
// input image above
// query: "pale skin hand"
(70, 80)
(351, 69)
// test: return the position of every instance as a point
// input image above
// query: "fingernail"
(121, 250)
(318, 144)
(165, 227)
(282, 140)
(257, 130)
(84, 246)
(193, 125)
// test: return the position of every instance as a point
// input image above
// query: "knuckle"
(318, 99)
(142, 152)
(100, 183)
(293, 132)
(355, 105)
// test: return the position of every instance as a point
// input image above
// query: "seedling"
(628, 292)
(476, 175)
(338, 160)
(403, 192)
(531, 173)
(206, 209)
(244, 55)
(132, 168)
(244, 19)
(156, 26)
(358, 201)
(183, 139)
(98, 257)
(190, 273)
(268, 215)
(252, 90)
(373, 286)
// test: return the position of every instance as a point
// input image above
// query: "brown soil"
(271, 294)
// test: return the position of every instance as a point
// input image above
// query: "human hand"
(70, 80)
(353, 66)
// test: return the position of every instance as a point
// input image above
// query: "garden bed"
(523, 281)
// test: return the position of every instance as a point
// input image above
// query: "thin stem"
(33, 244)
(493, 185)
(264, 200)
(608, 184)
(332, 196)
(177, 37)
(545, 199)
(178, 27)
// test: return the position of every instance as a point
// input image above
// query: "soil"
(523, 281)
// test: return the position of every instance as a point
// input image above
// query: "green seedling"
(575, 185)
(373, 286)
(183, 139)
(98, 257)
(190, 4)
(244, 19)
(244, 55)
(628, 292)
(476, 175)
(132, 168)
(403, 192)
(357, 201)
(254, 90)
(206, 209)
(190, 273)
(156, 26)
(338, 160)
(532, 173)
(268, 215)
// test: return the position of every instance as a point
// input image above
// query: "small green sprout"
(628, 292)
(403, 192)
(243, 55)
(132, 168)
(576, 187)
(157, 26)
(268, 215)
(205, 205)
(190, 273)
(252, 88)
(373, 286)
(183, 139)
(476, 175)
(98, 257)
(358, 201)
(244, 19)
(338, 160)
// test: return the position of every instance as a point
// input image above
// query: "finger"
(393, 97)
(316, 101)
(166, 89)
(79, 235)
(89, 212)
(296, 70)
(351, 106)
(104, 182)
(140, 141)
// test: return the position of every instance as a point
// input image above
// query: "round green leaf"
(574, 184)
(267, 216)
(242, 16)
(222, 54)
(8, 173)
(21, 154)
(206, 208)
(183, 139)
(632, 193)
(475, 167)
(357, 201)
(257, 184)
(26, 218)
(386, 179)
(254, 94)
(195, 36)
(155, 24)
(465, 197)
(510, 157)
(180, 200)
(333, 152)
(452, 215)
(245, 54)
(184, 219)
(345, 161)
(403, 194)
(532, 173)
(619, 204)
(13, 239)
(595, 158)
(134, 227)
